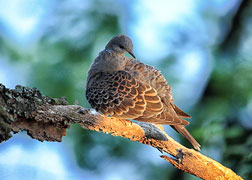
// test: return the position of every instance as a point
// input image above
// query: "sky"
(23, 18)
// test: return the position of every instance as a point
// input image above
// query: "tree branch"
(45, 118)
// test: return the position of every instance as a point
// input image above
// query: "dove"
(125, 88)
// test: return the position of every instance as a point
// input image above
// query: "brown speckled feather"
(122, 87)
(118, 94)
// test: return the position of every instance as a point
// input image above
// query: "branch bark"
(46, 118)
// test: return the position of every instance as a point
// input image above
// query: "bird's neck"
(108, 61)
(111, 52)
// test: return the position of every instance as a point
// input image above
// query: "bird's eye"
(121, 46)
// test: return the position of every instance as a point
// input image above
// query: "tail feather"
(179, 112)
(182, 130)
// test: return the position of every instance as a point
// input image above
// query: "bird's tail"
(182, 130)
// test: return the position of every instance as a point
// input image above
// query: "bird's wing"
(179, 112)
(167, 117)
(120, 95)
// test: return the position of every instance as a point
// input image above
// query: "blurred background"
(203, 48)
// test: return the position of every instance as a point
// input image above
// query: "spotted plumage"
(125, 88)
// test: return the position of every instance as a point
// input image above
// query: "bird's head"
(121, 44)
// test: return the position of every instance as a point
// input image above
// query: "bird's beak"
(132, 54)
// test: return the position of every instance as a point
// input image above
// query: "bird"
(123, 87)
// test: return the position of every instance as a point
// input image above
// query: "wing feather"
(120, 95)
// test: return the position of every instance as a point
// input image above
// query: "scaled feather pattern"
(126, 88)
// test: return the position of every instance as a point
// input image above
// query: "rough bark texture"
(45, 118)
